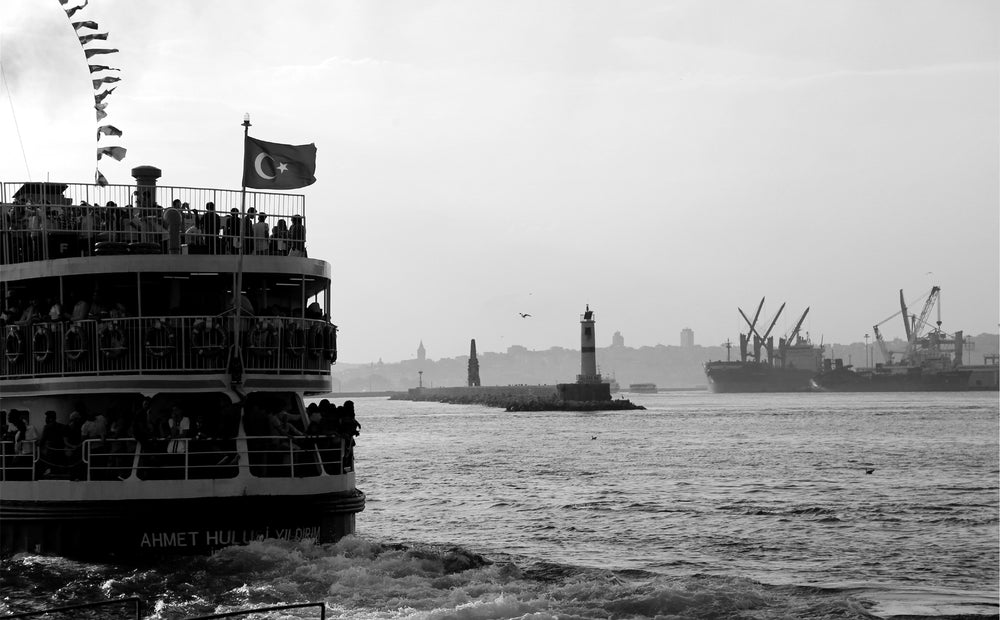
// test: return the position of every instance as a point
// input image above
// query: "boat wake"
(361, 578)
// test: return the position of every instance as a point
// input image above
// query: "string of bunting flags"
(101, 81)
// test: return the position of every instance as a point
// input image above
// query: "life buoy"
(13, 345)
(208, 339)
(160, 340)
(41, 343)
(316, 341)
(263, 339)
(295, 338)
(111, 341)
(74, 344)
(330, 343)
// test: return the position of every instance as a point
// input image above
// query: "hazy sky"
(664, 161)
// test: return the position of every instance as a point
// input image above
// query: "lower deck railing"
(177, 459)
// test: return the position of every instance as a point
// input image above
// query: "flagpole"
(238, 290)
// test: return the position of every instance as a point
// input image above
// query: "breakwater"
(512, 398)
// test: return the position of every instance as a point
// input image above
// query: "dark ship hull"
(736, 377)
(908, 379)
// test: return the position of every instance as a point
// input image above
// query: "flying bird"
(524, 315)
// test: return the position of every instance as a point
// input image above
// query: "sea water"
(700, 506)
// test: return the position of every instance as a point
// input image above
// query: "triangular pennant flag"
(71, 12)
(117, 152)
(94, 52)
(96, 68)
(87, 38)
(101, 114)
(105, 80)
(84, 24)
(99, 178)
(108, 130)
(99, 97)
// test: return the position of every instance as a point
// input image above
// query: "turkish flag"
(269, 165)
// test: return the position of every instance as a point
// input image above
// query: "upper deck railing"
(43, 221)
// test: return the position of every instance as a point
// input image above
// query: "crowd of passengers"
(34, 309)
(56, 450)
(29, 310)
(27, 228)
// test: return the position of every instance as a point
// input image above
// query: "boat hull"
(135, 529)
(965, 379)
(744, 377)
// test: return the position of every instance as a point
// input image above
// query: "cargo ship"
(153, 378)
(931, 362)
(764, 368)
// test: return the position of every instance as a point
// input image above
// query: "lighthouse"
(588, 387)
(588, 349)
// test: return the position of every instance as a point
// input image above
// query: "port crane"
(758, 339)
(912, 325)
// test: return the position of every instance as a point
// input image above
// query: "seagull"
(524, 315)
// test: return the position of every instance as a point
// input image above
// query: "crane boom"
(752, 330)
(922, 320)
(757, 314)
(768, 332)
(906, 317)
(886, 356)
(795, 332)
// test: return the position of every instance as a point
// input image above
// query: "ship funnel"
(145, 185)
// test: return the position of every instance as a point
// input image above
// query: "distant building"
(617, 340)
(687, 338)
(421, 352)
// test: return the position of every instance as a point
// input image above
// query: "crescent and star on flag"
(258, 165)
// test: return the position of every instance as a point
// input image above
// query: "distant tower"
(687, 338)
(617, 340)
(421, 352)
(588, 349)
(473, 366)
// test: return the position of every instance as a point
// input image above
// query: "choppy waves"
(358, 578)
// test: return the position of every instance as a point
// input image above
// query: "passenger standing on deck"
(279, 235)
(260, 235)
(296, 237)
(349, 429)
(88, 228)
(232, 231)
(210, 224)
(180, 430)
(53, 443)
(248, 240)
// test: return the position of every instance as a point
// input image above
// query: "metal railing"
(199, 344)
(87, 220)
(261, 456)
(134, 601)
(17, 459)
(137, 603)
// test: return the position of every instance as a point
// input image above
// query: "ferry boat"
(642, 388)
(156, 359)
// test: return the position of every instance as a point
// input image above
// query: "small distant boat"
(642, 388)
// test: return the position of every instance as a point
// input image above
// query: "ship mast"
(236, 353)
